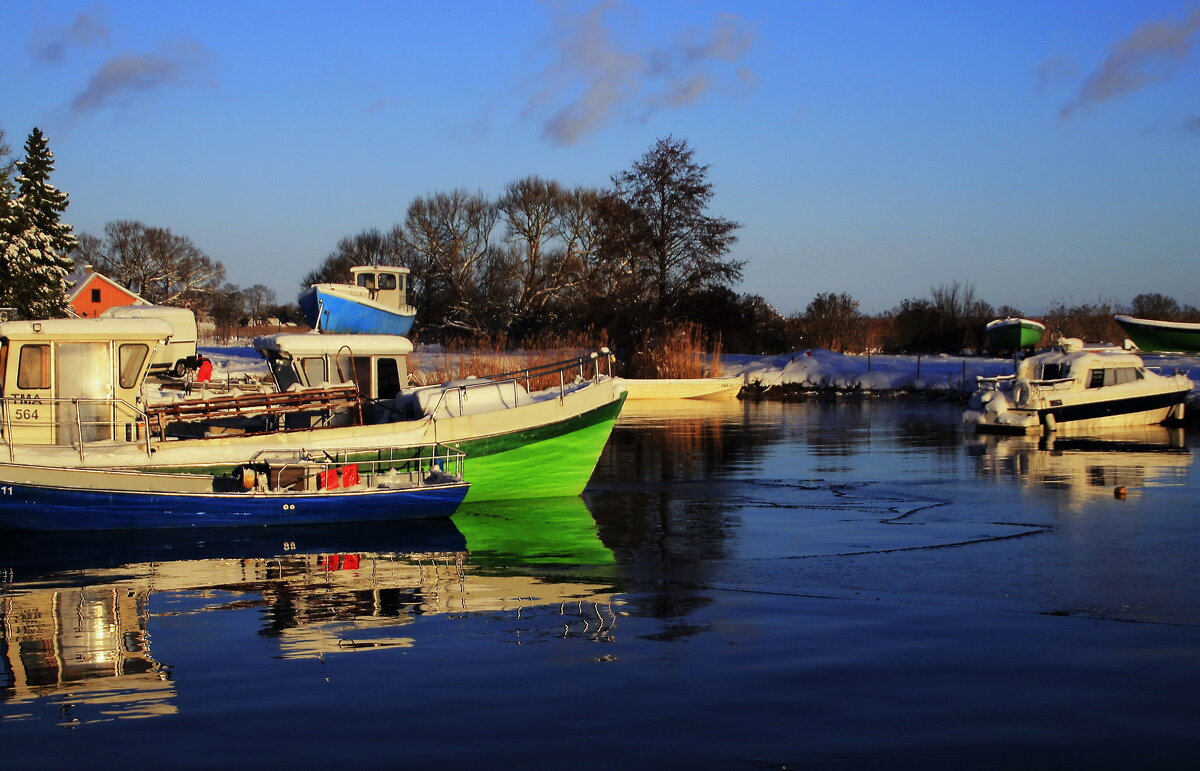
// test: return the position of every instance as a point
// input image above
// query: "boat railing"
(419, 462)
(555, 373)
(70, 421)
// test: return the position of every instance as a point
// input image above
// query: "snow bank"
(822, 369)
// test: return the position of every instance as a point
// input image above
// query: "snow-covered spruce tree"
(13, 254)
(36, 243)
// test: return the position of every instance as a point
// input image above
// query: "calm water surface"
(849, 585)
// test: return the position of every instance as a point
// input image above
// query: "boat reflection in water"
(1087, 468)
(77, 611)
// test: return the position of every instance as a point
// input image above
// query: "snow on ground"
(823, 369)
(236, 363)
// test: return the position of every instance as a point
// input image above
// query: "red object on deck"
(349, 475)
(204, 374)
(328, 480)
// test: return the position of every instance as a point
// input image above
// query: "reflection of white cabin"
(385, 285)
(67, 380)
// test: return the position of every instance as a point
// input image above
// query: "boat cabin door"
(30, 405)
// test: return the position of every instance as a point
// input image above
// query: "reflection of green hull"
(1013, 334)
(1164, 336)
(542, 531)
(551, 461)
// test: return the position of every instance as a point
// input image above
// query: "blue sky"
(1043, 151)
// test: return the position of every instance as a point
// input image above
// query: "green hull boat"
(1013, 334)
(1161, 336)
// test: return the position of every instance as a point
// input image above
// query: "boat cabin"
(385, 285)
(75, 380)
(374, 363)
(1088, 368)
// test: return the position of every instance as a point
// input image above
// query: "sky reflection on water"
(743, 585)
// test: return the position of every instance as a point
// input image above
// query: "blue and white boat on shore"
(273, 488)
(376, 303)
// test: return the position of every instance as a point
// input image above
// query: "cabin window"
(387, 281)
(1055, 370)
(388, 377)
(367, 280)
(132, 356)
(33, 368)
(284, 372)
(1114, 376)
(314, 370)
(1128, 375)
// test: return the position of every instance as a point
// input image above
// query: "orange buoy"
(1119, 491)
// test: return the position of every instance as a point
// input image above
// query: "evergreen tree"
(36, 244)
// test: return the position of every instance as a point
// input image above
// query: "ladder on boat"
(159, 416)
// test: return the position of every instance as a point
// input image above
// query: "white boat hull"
(684, 388)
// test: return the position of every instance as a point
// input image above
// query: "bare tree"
(370, 247)
(682, 248)
(257, 299)
(165, 268)
(449, 235)
(548, 231)
(833, 321)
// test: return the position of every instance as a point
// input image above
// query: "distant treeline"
(952, 320)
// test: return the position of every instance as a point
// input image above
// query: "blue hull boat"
(275, 491)
(328, 310)
(33, 507)
(375, 304)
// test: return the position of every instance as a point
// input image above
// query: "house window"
(95, 295)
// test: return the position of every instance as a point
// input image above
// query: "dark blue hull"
(335, 314)
(37, 507)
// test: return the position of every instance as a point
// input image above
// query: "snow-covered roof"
(377, 269)
(81, 278)
(87, 329)
(310, 343)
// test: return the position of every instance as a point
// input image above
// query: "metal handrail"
(527, 374)
(441, 456)
(133, 416)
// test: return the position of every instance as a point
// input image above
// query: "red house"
(94, 293)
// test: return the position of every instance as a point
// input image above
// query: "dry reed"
(679, 351)
(462, 359)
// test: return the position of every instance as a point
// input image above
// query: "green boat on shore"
(1161, 336)
(1013, 334)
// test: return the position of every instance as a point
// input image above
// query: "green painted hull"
(1014, 334)
(1161, 336)
(549, 462)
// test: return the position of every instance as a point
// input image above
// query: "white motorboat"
(1072, 387)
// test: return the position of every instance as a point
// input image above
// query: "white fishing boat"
(72, 397)
(1072, 387)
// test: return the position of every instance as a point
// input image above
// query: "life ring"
(1021, 392)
